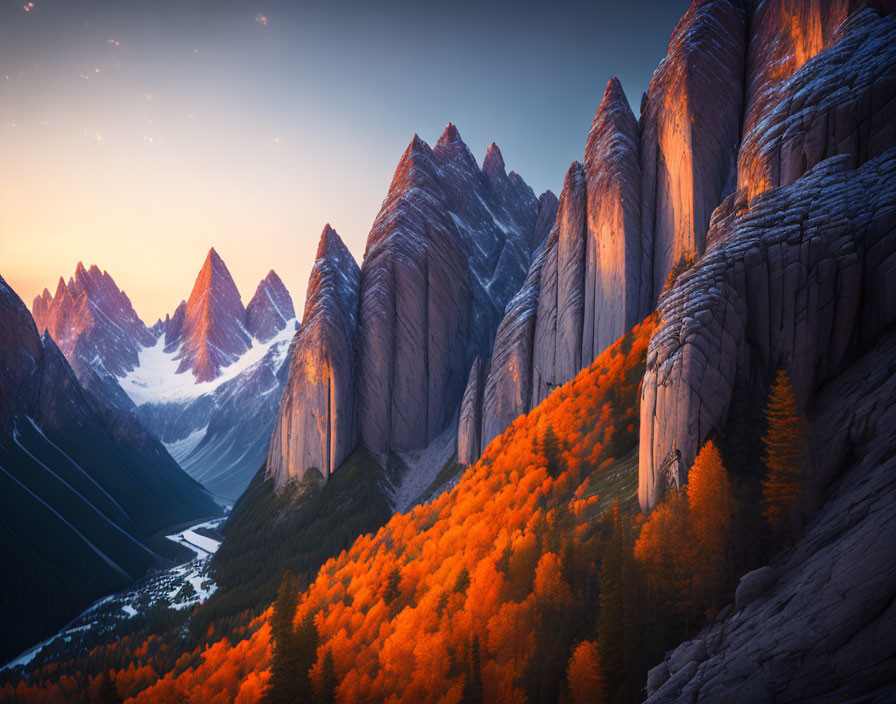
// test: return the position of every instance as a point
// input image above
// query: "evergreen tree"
(108, 692)
(328, 680)
(550, 448)
(613, 636)
(783, 441)
(284, 680)
(472, 691)
(306, 655)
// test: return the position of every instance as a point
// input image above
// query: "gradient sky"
(135, 135)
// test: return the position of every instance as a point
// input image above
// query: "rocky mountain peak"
(270, 309)
(451, 149)
(493, 164)
(214, 332)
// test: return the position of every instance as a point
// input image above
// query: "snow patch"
(156, 380)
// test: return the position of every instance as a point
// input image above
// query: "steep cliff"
(450, 246)
(316, 425)
(690, 129)
(783, 283)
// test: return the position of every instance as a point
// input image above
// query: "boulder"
(753, 584)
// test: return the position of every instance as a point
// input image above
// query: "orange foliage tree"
(711, 508)
(586, 682)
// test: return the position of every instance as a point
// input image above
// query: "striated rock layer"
(585, 289)
(690, 130)
(450, 246)
(784, 282)
(316, 425)
(828, 614)
(213, 332)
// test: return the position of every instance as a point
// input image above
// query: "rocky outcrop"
(690, 130)
(270, 309)
(817, 627)
(840, 103)
(213, 333)
(450, 246)
(316, 425)
(469, 426)
(617, 288)
(559, 314)
(782, 284)
(585, 288)
(508, 387)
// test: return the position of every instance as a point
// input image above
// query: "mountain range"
(85, 488)
(206, 380)
(476, 453)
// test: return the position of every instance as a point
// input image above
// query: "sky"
(137, 135)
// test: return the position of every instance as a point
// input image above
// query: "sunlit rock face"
(91, 317)
(783, 284)
(839, 104)
(799, 276)
(450, 246)
(95, 326)
(316, 425)
(213, 333)
(617, 288)
(690, 131)
(584, 290)
(270, 309)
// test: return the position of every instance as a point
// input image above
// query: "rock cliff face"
(784, 282)
(449, 248)
(213, 333)
(584, 290)
(839, 103)
(690, 130)
(825, 608)
(316, 425)
(270, 309)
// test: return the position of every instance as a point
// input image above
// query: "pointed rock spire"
(270, 309)
(213, 333)
(493, 164)
(317, 424)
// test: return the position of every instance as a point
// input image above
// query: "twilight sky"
(135, 135)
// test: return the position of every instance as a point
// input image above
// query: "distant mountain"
(206, 381)
(83, 487)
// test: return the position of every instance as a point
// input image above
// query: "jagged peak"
(80, 270)
(452, 148)
(574, 174)
(61, 288)
(546, 197)
(331, 246)
(449, 135)
(493, 164)
(46, 295)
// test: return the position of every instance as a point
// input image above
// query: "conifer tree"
(711, 509)
(472, 691)
(328, 680)
(584, 676)
(306, 639)
(284, 679)
(783, 441)
(550, 448)
(612, 642)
